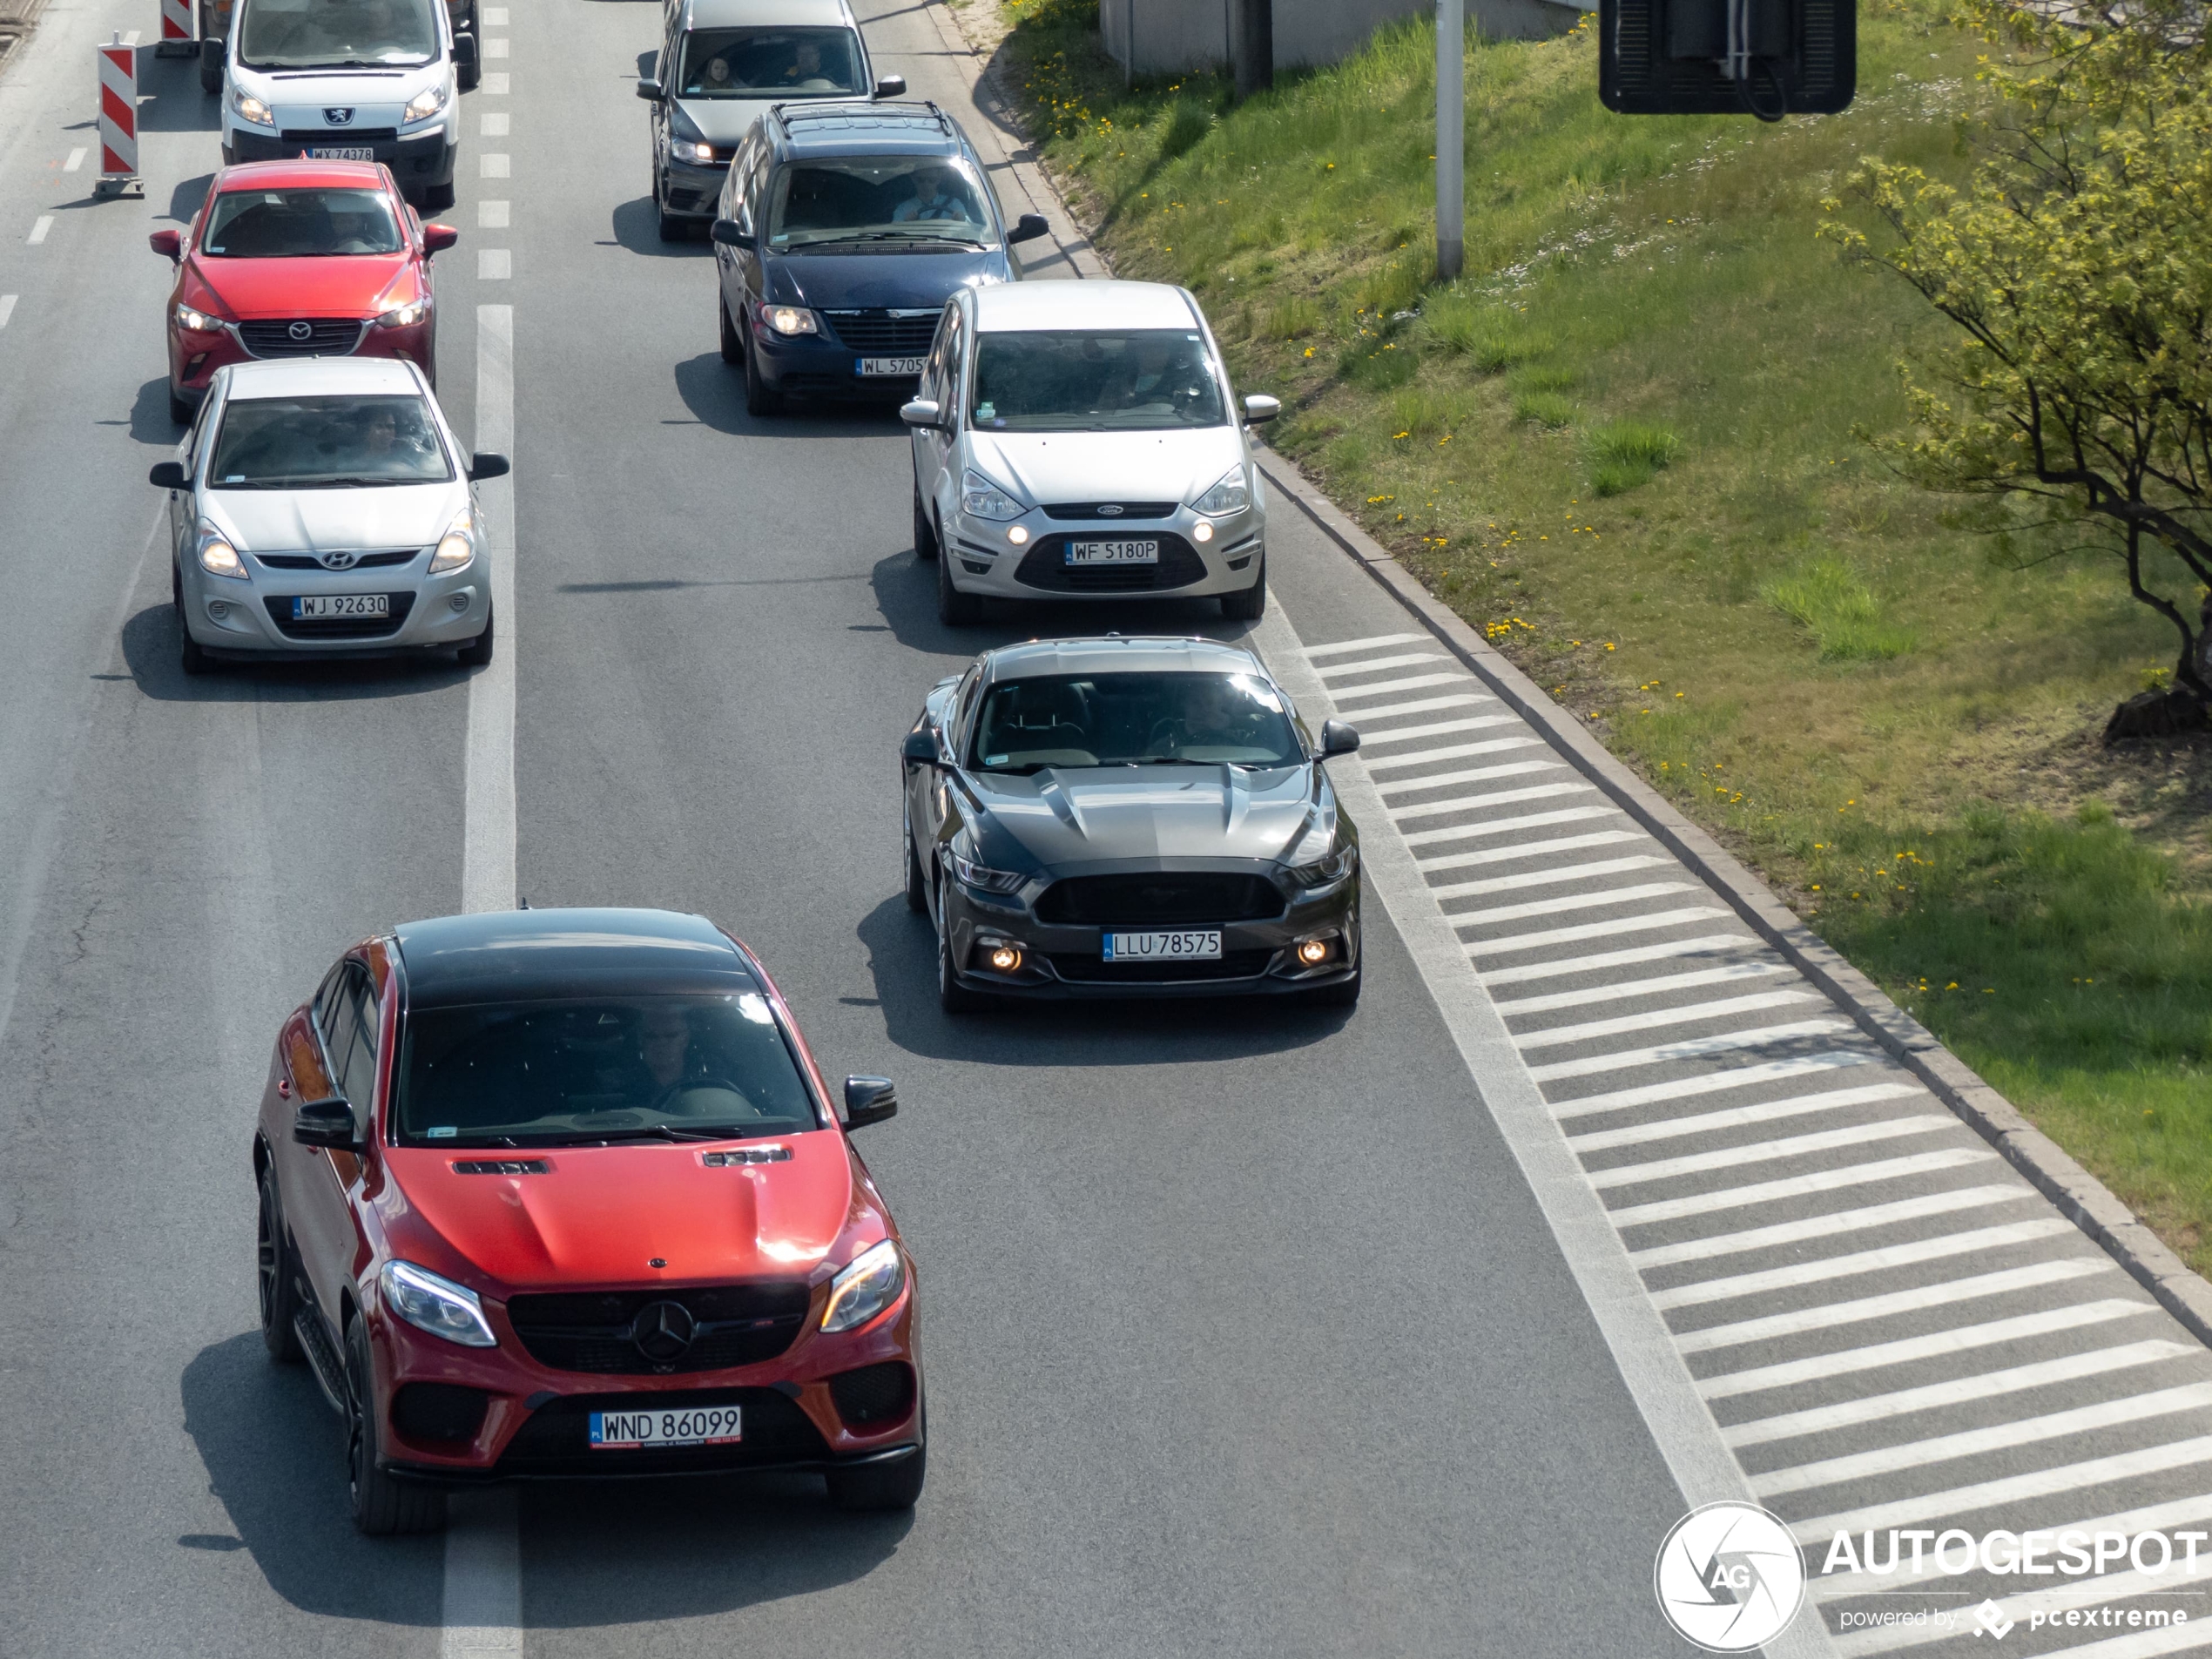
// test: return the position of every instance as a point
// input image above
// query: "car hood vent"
(747, 1154)
(503, 1166)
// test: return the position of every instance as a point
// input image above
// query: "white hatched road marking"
(1659, 1018)
(1829, 1025)
(1520, 849)
(1557, 907)
(1959, 1339)
(1667, 1129)
(1828, 1226)
(1585, 930)
(1453, 751)
(1410, 683)
(1456, 752)
(1627, 989)
(1494, 797)
(1551, 878)
(1827, 1316)
(1705, 945)
(1473, 774)
(1862, 1261)
(1376, 664)
(2098, 1362)
(1730, 1158)
(1375, 644)
(1502, 825)
(1797, 1186)
(1422, 706)
(2063, 1598)
(2153, 1517)
(1427, 729)
(1713, 1083)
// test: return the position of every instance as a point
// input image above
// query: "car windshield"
(1134, 719)
(336, 34)
(770, 61)
(1129, 379)
(300, 224)
(576, 1072)
(888, 199)
(325, 442)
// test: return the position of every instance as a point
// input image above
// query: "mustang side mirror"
(482, 467)
(649, 88)
(169, 242)
(437, 238)
(890, 86)
(728, 233)
(326, 1122)
(1337, 738)
(464, 51)
(168, 475)
(920, 745)
(1259, 409)
(869, 1100)
(1027, 228)
(922, 412)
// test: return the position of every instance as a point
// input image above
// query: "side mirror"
(168, 475)
(326, 1122)
(649, 89)
(920, 745)
(438, 238)
(1337, 738)
(482, 467)
(890, 86)
(923, 412)
(1027, 228)
(869, 1100)
(169, 242)
(1259, 409)
(464, 51)
(728, 233)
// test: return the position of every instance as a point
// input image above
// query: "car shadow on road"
(176, 104)
(714, 391)
(150, 650)
(906, 593)
(187, 197)
(636, 227)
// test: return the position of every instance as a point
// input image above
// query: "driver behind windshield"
(931, 200)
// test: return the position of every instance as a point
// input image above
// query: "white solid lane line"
(1705, 945)
(1933, 1507)
(1730, 1157)
(1862, 1261)
(1502, 825)
(1626, 989)
(1737, 1077)
(1519, 850)
(39, 226)
(1375, 644)
(2135, 1408)
(1556, 906)
(1410, 682)
(1587, 930)
(1453, 751)
(6, 308)
(1659, 1018)
(76, 160)
(1565, 874)
(1768, 1111)
(1427, 729)
(1798, 1186)
(1375, 665)
(1694, 1048)
(1797, 1321)
(1961, 1338)
(2098, 1362)
(1431, 757)
(1861, 1219)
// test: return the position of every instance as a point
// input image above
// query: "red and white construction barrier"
(119, 114)
(179, 35)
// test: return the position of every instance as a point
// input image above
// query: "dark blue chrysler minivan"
(842, 230)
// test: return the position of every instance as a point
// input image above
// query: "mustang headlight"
(790, 319)
(1331, 867)
(252, 111)
(216, 556)
(457, 546)
(436, 1305)
(1229, 495)
(197, 322)
(864, 1290)
(424, 105)
(980, 498)
(982, 877)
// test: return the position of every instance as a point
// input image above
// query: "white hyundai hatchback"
(1079, 440)
(322, 507)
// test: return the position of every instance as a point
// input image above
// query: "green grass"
(1622, 444)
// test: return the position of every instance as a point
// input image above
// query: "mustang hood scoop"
(1068, 815)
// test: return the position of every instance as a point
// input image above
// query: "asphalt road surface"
(1249, 1330)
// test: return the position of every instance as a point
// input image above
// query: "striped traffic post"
(118, 115)
(179, 37)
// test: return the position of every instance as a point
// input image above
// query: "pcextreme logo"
(1728, 1577)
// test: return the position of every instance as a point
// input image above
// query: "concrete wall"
(1175, 35)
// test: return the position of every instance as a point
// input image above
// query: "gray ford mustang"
(1128, 818)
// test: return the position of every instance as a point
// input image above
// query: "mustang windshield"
(328, 442)
(336, 34)
(886, 199)
(298, 223)
(1134, 719)
(776, 62)
(1130, 380)
(577, 1073)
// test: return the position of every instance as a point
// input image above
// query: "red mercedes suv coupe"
(561, 1193)
(298, 259)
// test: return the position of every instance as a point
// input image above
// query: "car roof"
(1011, 307)
(320, 376)
(539, 955)
(857, 126)
(250, 175)
(720, 14)
(1138, 654)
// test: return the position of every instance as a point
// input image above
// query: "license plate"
(1113, 552)
(1191, 945)
(693, 1426)
(891, 367)
(341, 604)
(341, 152)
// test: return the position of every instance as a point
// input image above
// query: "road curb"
(2079, 1195)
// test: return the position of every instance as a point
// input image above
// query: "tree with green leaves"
(2077, 265)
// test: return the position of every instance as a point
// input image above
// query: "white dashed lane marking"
(39, 226)
(76, 159)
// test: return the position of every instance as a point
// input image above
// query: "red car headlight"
(404, 316)
(194, 321)
(436, 1305)
(865, 1288)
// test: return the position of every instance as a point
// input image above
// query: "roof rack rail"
(782, 113)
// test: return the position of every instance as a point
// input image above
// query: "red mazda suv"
(560, 1193)
(298, 259)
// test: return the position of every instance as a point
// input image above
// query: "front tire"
(382, 1505)
(181, 411)
(478, 651)
(890, 1486)
(732, 343)
(925, 544)
(955, 609)
(1251, 604)
(190, 658)
(917, 887)
(761, 399)
(952, 996)
(275, 1271)
(671, 228)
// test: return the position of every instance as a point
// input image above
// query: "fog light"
(1201, 533)
(459, 602)
(218, 609)
(1313, 952)
(1019, 536)
(1005, 959)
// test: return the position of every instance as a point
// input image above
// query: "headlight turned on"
(865, 1289)
(790, 319)
(217, 556)
(437, 1305)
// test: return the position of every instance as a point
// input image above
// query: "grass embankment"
(1622, 444)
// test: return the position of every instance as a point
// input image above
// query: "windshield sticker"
(443, 1132)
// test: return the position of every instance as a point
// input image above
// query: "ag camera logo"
(1730, 1577)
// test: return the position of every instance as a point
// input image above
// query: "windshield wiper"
(889, 236)
(652, 1132)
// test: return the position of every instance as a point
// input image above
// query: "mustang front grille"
(1162, 897)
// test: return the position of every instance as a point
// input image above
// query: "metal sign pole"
(1451, 138)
